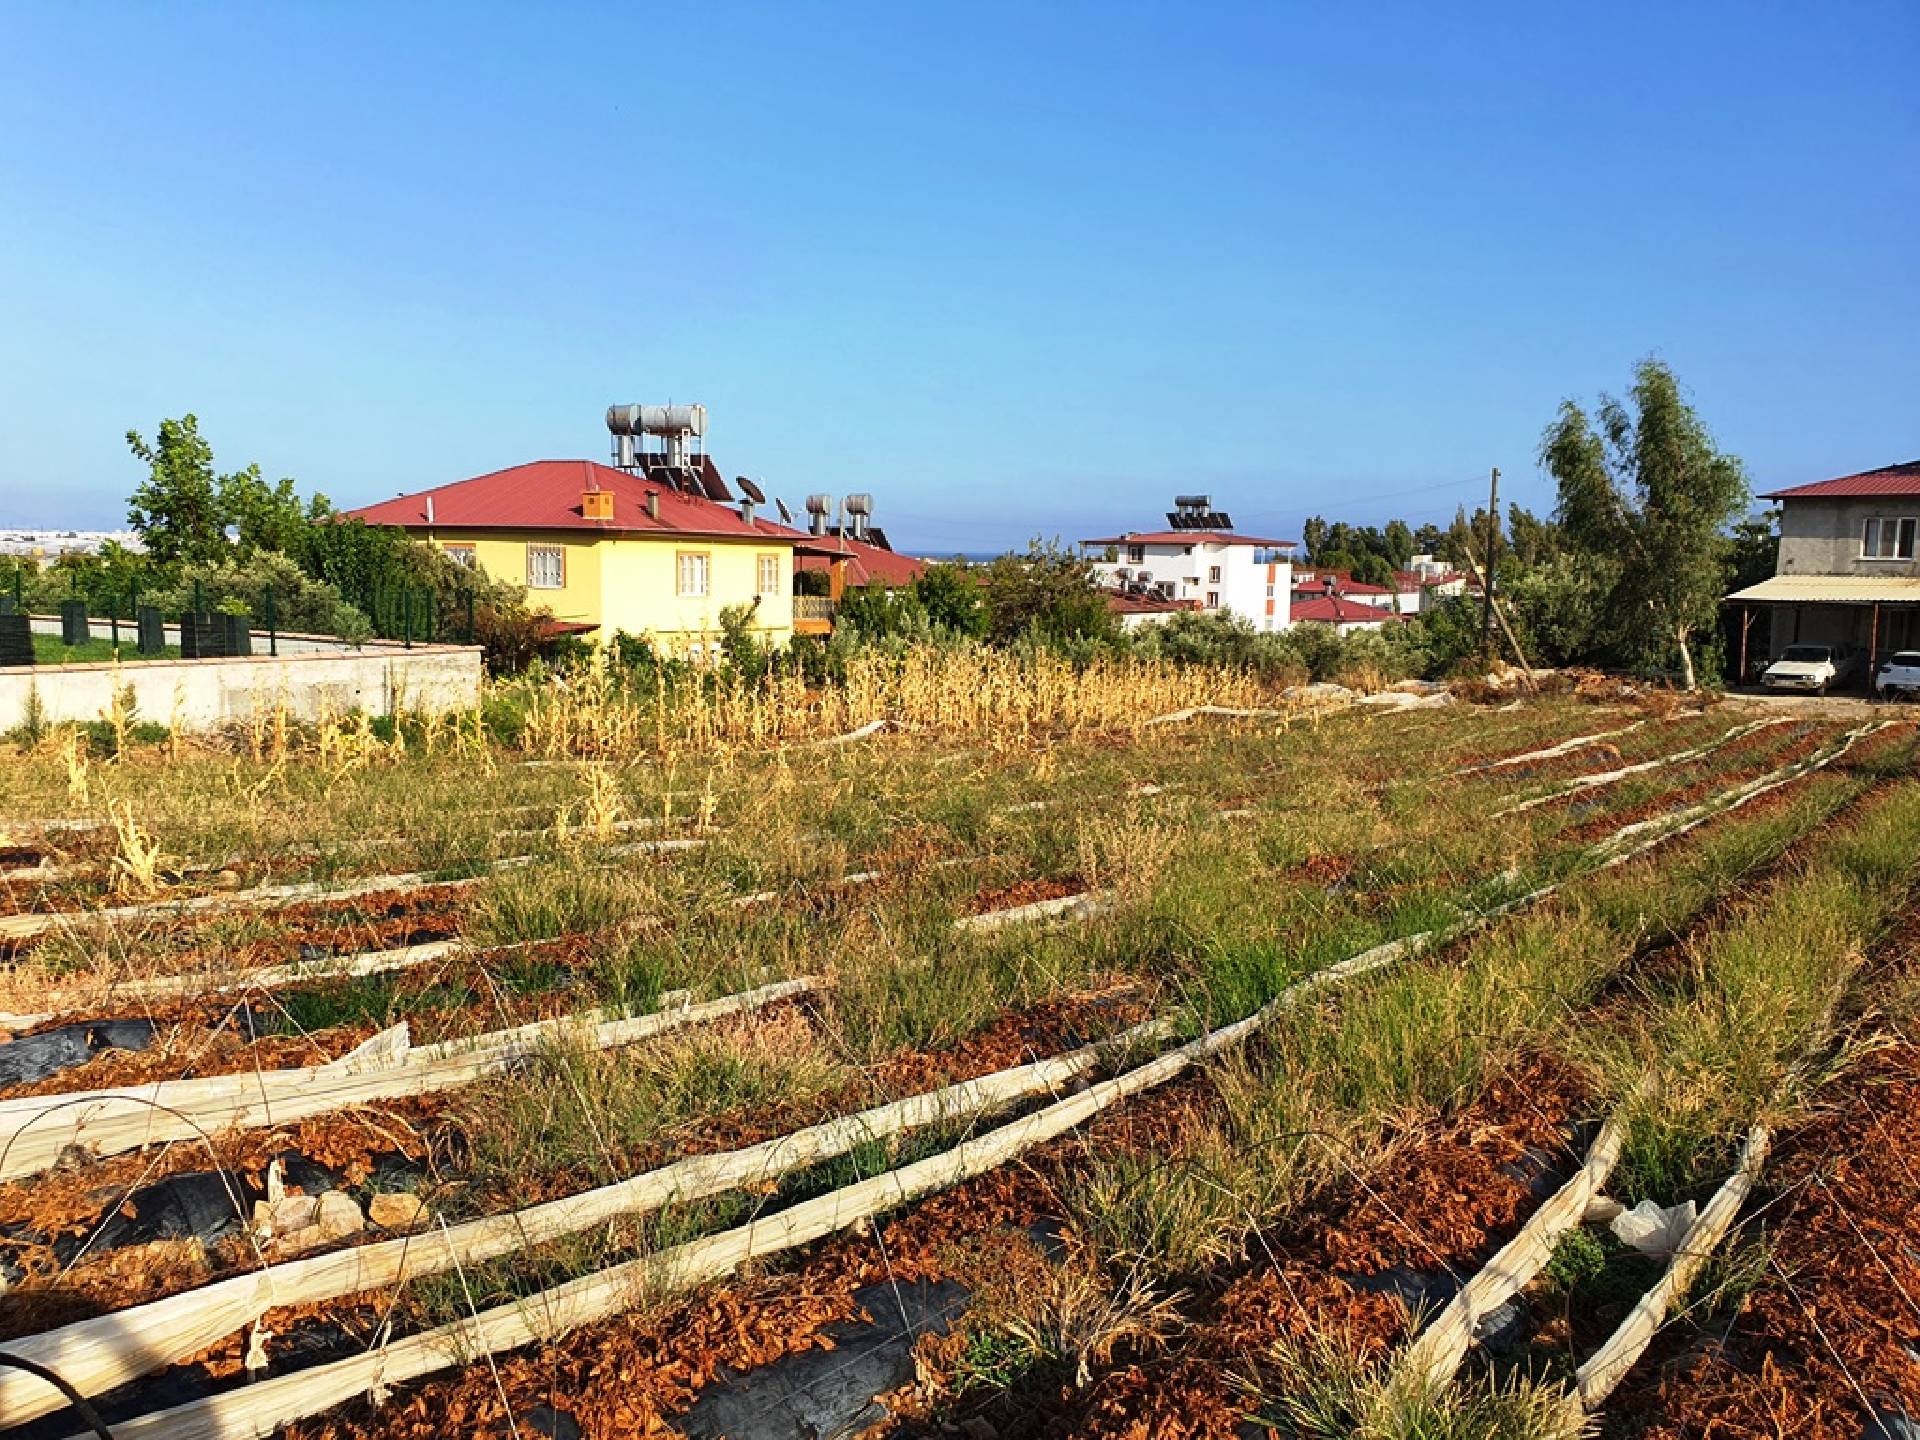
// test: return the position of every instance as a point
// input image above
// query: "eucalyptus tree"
(1646, 497)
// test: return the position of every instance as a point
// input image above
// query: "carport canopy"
(1899, 593)
(1831, 590)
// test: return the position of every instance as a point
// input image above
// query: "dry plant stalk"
(73, 755)
(136, 863)
(601, 809)
(1009, 699)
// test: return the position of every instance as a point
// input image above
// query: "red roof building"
(865, 564)
(1343, 614)
(550, 495)
(651, 552)
(1888, 480)
(1136, 610)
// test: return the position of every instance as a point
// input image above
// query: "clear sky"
(1015, 269)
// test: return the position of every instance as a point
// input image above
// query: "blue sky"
(1015, 269)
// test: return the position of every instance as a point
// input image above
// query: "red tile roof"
(1341, 586)
(1187, 537)
(545, 495)
(1335, 611)
(1887, 480)
(1122, 604)
(864, 562)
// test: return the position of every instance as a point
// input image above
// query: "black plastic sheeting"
(817, 1392)
(35, 1057)
(203, 1203)
(207, 1204)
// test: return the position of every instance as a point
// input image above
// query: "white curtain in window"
(693, 574)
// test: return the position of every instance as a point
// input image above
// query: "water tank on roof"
(657, 419)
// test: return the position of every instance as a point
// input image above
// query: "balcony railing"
(817, 608)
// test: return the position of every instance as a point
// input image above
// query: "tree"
(1753, 549)
(1369, 568)
(1531, 540)
(268, 517)
(953, 600)
(1048, 594)
(176, 509)
(1398, 541)
(1313, 535)
(1644, 493)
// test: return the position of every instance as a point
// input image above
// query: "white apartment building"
(1200, 561)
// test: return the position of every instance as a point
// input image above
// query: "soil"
(1667, 802)
(1405, 1233)
(309, 931)
(1831, 1333)
(1024, 892)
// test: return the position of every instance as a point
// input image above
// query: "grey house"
(1849, 567)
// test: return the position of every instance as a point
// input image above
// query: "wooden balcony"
(812, 615)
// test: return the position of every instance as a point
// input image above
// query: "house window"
(1887, 539)
(1213, 599)
(693, 572)
(546, 567)
(1136, 554)
(461, 555)
(1213, 574)
(1269, 592)
(769, 574)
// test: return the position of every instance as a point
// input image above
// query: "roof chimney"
(746, 512)
(653, 504)
(595, 503)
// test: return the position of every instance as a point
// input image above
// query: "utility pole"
(1486, 578)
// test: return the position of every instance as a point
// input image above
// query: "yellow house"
(654, 553)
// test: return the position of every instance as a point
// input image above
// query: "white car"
(1809, 667)
(1899, 676)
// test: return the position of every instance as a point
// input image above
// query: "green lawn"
(47, 650)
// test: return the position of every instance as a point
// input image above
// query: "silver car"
(1898, 676)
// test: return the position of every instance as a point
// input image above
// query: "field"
(1023, 1069)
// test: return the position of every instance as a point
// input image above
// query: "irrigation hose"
(79, 1402)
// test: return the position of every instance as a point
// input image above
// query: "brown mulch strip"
(1023, 892)
(1668, 801)
(370, 922)
(1444, 1198)
(1837, 1315)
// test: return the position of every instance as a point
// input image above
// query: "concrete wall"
(1822, 537)
(202, 694)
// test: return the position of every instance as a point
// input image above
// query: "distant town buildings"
(50, 544)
